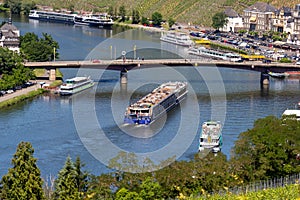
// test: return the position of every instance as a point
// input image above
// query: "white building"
(235, 22)
(10, 37)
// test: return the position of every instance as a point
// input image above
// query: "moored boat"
(177, 38)
(52, 16)
(94, 21)
(278, 75)
(155, 104)
(211, 136)
(74, 85)
(293, 113)
(210, 53)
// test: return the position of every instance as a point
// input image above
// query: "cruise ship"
(202, 51)
(94, 21)
(52, 16)
(152, 106)
(177, 38)
(99, 21)
(74, 85)
(211, 136)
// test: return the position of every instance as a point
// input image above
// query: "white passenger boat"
(202, 51)
(90, 20)
(52, 16)
(74, 85)
(211, 136)
(95, 21)
(292, 113)
(177, 38)
(152, 106)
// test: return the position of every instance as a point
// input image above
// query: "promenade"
(23, 91)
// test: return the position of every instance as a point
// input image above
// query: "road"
(19, 92)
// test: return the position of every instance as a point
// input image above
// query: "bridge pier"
(123, 77)
(264, 79)
(52, 75)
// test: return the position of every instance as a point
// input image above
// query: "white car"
(298, 62)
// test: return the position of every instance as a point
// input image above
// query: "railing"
(263, 184)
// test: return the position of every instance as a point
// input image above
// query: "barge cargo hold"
(155, 104)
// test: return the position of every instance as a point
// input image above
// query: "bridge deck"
(129, 64)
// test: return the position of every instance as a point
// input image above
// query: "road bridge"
(126, 65)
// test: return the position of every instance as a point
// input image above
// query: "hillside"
(197, 12)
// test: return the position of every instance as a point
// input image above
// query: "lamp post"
(54, 54)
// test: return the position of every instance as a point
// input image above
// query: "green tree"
(66, 187)
(110, 11)
(135, 16)
(39, 49)
(15, 6)
(171, 22)
(219, 20)
(28, 6)
(150, 190)
(82, 178)
(23, 180)
(156, 18)
(124, 194)
(122, 13)
(144, 21)
(268, 150)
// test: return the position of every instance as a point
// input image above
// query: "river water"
(89, 124)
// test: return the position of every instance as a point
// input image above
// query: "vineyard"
(197, 12)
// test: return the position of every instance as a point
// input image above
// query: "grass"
(39, 72)
(20, 98)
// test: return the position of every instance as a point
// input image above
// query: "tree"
(23, 180)
(110, 11)
(219, 20)
(66, 187)
(171, 22)
(82, 178)
(28, 6)
(156, 19)
(150, 190)
(145, 21)
(135, 16)
(268, 150)
(122, 13)
(15, 6)
(39, 49)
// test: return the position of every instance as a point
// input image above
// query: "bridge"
(125, 65)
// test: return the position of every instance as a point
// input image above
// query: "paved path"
(19, 92)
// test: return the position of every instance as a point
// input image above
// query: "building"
(10, 37)
(281, 21)
(258, 17)
(234, 21)
(296, 15)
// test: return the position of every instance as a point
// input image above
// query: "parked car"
(10, 91)
(298, 62)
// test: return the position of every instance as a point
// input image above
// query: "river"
(89, 124)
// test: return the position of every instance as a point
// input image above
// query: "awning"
(253, 19)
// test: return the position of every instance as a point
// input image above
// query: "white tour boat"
(202, 51)
(177, 38)
(211, 136)
(74, 85)
(155, 104)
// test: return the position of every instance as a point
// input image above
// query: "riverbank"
(18, 96)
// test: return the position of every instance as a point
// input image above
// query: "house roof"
(229, 12)
(8, 26)
(261, 7)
